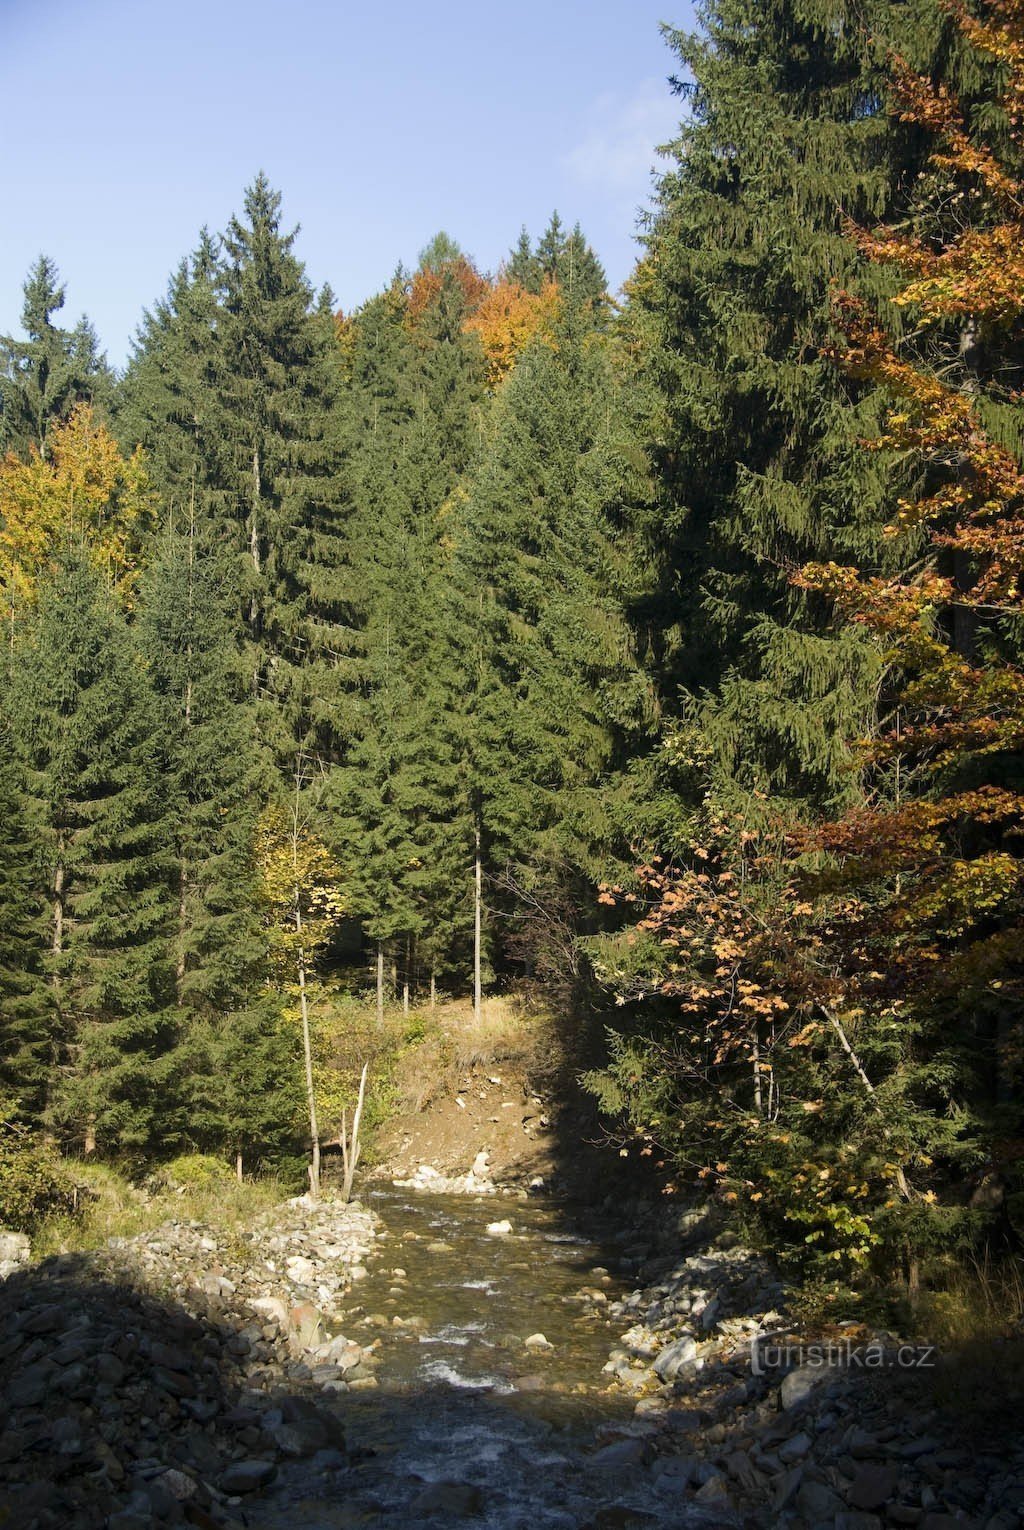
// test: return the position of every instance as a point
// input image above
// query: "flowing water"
(467, 1421)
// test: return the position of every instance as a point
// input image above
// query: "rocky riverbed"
(165, 1378)
(433, 1355)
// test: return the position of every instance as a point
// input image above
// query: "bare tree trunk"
(90, 1135)
(758, 1101)
(477, 899)
(405, 999)
(238, 1166)
(433, 989)
(57, 940)
(350, 1145)
(380, 983)
(307, 1050)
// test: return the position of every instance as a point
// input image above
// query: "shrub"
(34, 1183)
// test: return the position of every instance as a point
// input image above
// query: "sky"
(139, 121)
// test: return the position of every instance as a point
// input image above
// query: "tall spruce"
(550, 694)
(757, 438)
(26, 1006)
(278, 386)
(45, 374)
(88, 729)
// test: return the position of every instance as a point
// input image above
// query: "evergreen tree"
(43, 376)
(26, 1011)
(552, 695)
(278, 388)
(88, 728)
(166, 401)
(559, 257)
(757, 436)
(416, 383)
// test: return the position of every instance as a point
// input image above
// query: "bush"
(193, 1171)
(35, 1184)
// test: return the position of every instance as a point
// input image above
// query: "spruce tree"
(756, 439)
(551, 695)
(278, 387)
(26, 1009)
(416, 383)
(43, 376)
(88, 729)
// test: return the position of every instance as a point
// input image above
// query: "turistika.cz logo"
(776, 1352)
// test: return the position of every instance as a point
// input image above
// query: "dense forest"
(660, 653)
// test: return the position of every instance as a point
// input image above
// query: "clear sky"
(131, 123)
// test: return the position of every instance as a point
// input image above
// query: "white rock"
(499, 1229)
(538, 1341)
(672, 1359)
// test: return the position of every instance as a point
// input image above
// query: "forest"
(658, 652)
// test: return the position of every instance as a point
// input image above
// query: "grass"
(113, 1207)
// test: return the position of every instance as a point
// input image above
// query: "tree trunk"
(307, 1050)
(350, 1146)
(380, 983)
(433, 989)
(405, 999)
(238, 1166)
(57, 941)
(477, 899)
(758, 1101)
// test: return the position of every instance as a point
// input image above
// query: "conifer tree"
(88, 729)
(757, 436)
(278, 384)
(26, 1009)
(552, 692)
(43, 376)
(566, 259)
(166, 401)
(416, 382)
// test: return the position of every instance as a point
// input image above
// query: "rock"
(180, 1485)
(618, 1455)
(247, 1476)
(798, 1387)
(15, 1251)
(480, 1166)
(306, 1325)
(672, 1359)
(818, 1503)
(499, 1229)
(715, 1490)
(272, 1307)
(795, 1448)
(537, 1341)
(460, 1499)
(873, 1486)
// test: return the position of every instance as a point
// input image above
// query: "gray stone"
(795, 1448)
(798, 1387)
(672, 1359)
(247, 1476)
(816, 1502)
(460, 1499)
(619, 1454)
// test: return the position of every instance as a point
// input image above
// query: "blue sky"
(137, 121)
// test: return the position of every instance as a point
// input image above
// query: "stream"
(467, 1421)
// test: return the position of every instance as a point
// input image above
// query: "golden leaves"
(84, 489)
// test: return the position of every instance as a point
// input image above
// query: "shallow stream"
(467, 1421)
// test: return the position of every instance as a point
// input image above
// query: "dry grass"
(113, 1207)
(441, 1046)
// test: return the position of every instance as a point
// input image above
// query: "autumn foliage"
(850, 994)
(83, 489)
(506, 319)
